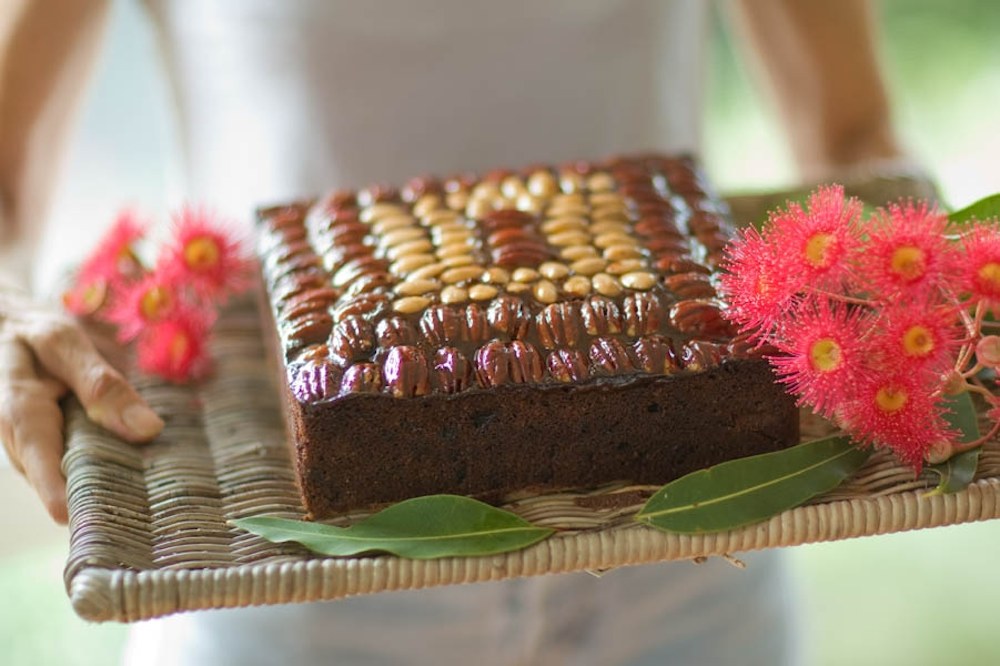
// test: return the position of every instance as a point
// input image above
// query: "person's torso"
(285, 99)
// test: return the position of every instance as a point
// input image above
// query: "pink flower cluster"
(875, 319)
(167, 310)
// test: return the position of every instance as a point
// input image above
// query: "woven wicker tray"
(149, 533)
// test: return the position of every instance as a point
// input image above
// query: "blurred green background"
(917, 598)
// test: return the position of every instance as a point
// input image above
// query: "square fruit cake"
(534, 330)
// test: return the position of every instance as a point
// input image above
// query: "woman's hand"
(43, 355)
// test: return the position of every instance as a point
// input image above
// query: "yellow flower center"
(201, 253)
(154, 302)
(763, 285)
(179, 347)
(890, 399)
(825, 355)
(93, 295)
(908, 262)
(88, 298)
(126, 262)
(817, 249)
(990, 272)
(918, 341)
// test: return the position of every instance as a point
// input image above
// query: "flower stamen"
(891, 399)
(918, 341)
(201, 253)
(154, 302)
(825, 355)
(817, 250)
(990, 273)
(908, 262)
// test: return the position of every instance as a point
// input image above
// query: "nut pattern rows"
(542, 275)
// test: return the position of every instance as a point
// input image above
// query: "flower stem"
(850, 300)
(980, 389)
(962, 447)
(973, 371)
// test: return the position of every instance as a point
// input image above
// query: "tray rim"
(99, 594)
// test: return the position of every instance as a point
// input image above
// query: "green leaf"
(421, 528)
(983, 209)
(748, 490)
(957, 472)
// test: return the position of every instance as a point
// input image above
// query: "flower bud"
(939, 452)
(988, 351)
(953, 383)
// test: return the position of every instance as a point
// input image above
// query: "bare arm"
(819, 60)
(47, 51)
(47, 48)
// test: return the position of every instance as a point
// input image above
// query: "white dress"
(282, 98)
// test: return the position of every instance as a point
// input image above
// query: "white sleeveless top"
(278, 99)
(284, 98)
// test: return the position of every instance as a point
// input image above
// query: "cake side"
(550, 328)
(489, 443)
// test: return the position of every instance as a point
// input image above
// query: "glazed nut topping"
(406, 373)
(455, 249)
(600, 182)
(496, 275)
(625, 266)
(577, 252)
(518, 287)
(607, 240)
(482, 292)
(601, 227)
(411, 304)
(457, 200)
(588, 266)
(440, 217)
(402, 235)
(599, 199)
(462, 274)
(569, 238)
(571, 182)
(377, 211)
(640, 280)
(524, 275)
(420, 246)
(621, 252)
(560, 225)
(427, 271)
(553, 270)
(451, 295)
(408, 264)
(568, 209)
(545, 274)
(452, 236)
(606, 285)
(387, 225)
(542, 184)
(545, 291)
(459, 260)
(417, 287)
(578, 285)
(427, 204)
(568, 199)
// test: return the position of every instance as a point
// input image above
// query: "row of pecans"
(410, 371)
(509, 318)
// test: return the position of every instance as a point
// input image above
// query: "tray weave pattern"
(149, 532)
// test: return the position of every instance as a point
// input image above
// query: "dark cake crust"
(547, 329)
